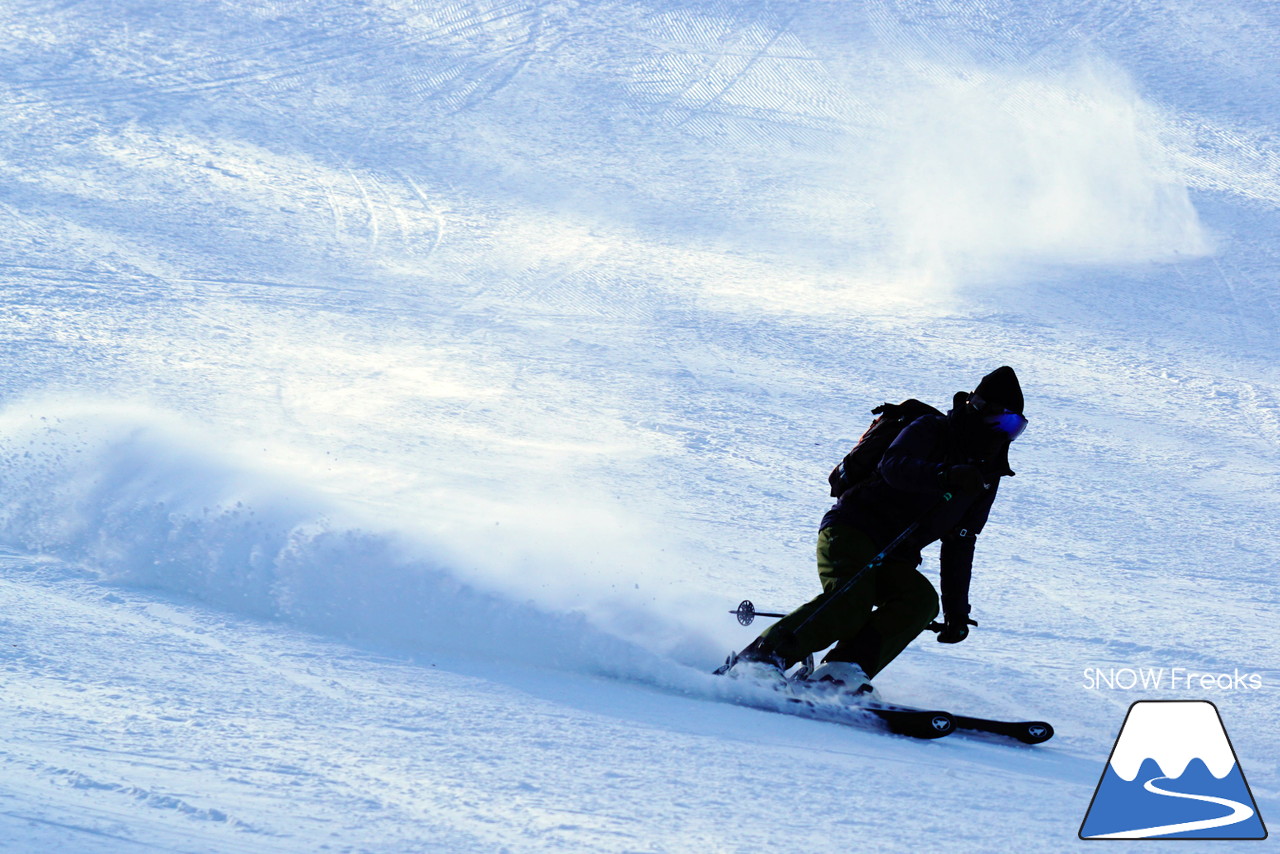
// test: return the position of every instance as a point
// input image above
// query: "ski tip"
(1035, 732)
(1027, 732)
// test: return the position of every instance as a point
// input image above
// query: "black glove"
(955, 629)
(964, 478)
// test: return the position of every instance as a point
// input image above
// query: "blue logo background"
(1155, 806)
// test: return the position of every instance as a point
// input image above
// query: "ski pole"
(746, 613)
(884, 553)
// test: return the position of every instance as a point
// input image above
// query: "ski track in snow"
(399, 395)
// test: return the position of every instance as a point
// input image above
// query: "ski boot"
(757, 664)
(850, 683)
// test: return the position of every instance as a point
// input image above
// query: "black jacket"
(908, 485)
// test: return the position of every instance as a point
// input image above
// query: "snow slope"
(399, 393)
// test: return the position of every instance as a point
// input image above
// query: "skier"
(962, 455)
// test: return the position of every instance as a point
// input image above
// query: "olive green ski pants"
(872, 622)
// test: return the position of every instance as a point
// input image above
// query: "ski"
(798, 696)
(903, 720)
(810, 700)
(916, 723)
(1028, 732)
(801, 699)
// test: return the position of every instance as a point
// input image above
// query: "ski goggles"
(1010, 424)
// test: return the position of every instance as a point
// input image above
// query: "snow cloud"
(985, 171)
(142, 499)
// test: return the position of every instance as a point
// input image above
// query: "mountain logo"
(1173, 774)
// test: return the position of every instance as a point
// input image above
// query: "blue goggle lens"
(1010, 424)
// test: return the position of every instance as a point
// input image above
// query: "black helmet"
(998, 392)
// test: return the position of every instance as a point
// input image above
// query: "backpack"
(860, 463)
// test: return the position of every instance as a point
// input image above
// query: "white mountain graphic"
(1172, 733)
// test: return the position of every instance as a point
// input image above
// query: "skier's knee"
(925, 599)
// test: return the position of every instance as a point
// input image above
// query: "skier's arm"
(957, 570)
(906, 464)
(956, 555)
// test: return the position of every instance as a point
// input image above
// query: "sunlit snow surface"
(398, 395)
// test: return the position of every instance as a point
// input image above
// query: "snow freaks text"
(1167, 678)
